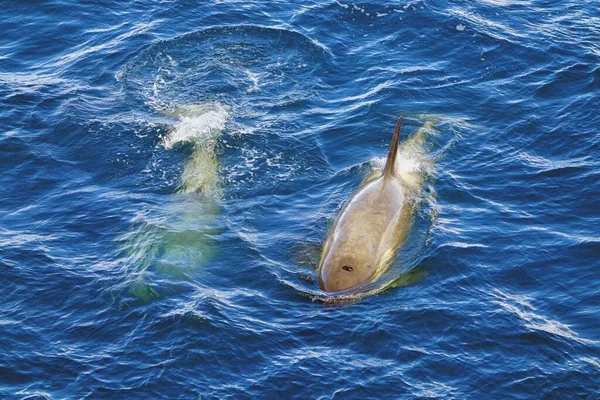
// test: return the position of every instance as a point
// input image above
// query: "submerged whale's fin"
(390, 165)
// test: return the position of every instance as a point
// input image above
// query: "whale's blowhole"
(347, 268)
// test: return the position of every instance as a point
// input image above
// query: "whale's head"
(343, 271)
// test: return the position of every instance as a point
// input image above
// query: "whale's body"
(369, 229)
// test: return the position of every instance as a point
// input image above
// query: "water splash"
(414, 162)
(201, 125)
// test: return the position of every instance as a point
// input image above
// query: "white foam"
(403, 165)
(254, 79)
(408, 161)
(408, 166)
(197, 123)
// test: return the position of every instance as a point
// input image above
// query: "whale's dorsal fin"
(390, 165)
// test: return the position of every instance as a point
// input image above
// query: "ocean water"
(169, 170)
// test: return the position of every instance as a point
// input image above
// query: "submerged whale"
(372, 225)
(176, 238)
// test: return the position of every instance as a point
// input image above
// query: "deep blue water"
(169, 170)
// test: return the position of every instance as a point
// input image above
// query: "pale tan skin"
(368, 231)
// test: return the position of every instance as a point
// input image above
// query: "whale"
(373, 224)
(177, 237)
